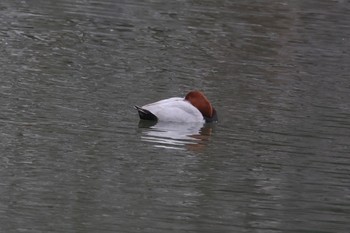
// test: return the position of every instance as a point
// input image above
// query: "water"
(75, 158)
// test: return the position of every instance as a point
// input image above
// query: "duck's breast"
(175, 109)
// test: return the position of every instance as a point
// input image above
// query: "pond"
(76, 158)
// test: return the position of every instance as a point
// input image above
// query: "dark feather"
(145, 114)
(214, 118)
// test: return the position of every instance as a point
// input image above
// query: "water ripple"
(191, 136)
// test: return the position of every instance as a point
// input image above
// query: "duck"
(194, 107)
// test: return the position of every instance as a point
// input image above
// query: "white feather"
(175, 109)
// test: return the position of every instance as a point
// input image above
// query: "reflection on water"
(180, 136)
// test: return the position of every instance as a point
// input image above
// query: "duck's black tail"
(145, 114)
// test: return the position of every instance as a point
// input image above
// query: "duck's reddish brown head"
(200, 101)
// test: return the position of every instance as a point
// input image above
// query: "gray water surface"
(75, 158)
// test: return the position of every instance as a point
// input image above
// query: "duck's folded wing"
(174, 110)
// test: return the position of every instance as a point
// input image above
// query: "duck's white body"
(175, 109)
(195, 107)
